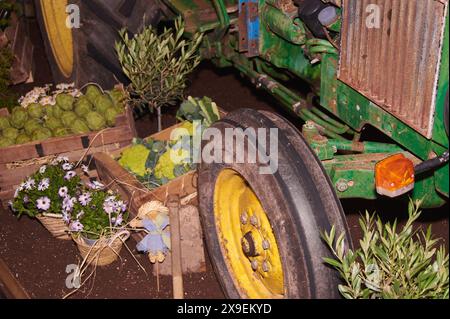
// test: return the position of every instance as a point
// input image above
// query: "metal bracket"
(248, 24)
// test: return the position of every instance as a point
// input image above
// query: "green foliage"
(203, 109)
(391, 264)
(158, 64)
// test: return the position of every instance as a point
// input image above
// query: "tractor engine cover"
(390, 53)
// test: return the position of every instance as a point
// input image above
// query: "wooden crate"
(136, 194)
(19, 161)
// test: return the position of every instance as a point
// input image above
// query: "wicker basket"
(55, 226)
(104, 251)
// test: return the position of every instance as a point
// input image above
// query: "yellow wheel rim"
(246, 238)
(59, 35)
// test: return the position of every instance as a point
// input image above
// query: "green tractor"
(380, 63)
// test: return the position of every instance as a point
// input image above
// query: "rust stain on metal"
(396, 66)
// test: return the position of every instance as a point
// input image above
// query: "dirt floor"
(39, 262)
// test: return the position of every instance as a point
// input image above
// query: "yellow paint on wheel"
(246, 238)
(60, 36)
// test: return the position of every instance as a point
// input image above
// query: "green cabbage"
(65, 101)
(92, 92)
(19, 117)
(79, 127)
(10, 133)
(42, 133)
(4, 141)
(103, 103)
(111, 115)
(49, 110)
(57, 111)
(4, 123)
(61, 131)
(95, 121)
(35, 110)
(22, 139)
(31, 125)
(82, 106)
(53, 123)
(67, 118)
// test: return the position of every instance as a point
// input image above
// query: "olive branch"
(157, 65)
(389, 263)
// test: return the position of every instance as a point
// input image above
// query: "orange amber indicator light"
(394, 175)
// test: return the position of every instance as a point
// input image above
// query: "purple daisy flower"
(108, 208)
(43, 203)
(26, 199)
(69, 175)
(42, 169)
(67, 166)
(44, 184)
(62, 192)
(61, 159)
(85, 199)
(118, 220)
(76, 226)
(95, 185)
(68, 203)
(29, 184)
(66, 217)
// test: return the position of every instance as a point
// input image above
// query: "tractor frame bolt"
(244, 218)
(254, 220)
(265, 266)
(265, 244)
(342, 185)
(254, 264)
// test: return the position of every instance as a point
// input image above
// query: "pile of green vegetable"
(154, 162)
(92, 111)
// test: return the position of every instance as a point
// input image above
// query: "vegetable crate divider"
(19, 161)
(136, 194)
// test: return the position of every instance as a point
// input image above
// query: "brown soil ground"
(39, 261)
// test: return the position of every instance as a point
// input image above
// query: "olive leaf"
(390, 263)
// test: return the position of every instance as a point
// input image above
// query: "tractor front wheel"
(263, 230)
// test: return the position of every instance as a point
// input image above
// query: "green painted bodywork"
(286, 50)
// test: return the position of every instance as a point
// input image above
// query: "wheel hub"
(247, 240)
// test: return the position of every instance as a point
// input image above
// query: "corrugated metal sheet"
(395, 65)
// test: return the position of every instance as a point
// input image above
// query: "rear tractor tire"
(87, 54)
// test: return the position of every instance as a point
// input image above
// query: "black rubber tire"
(299, 201)
(95, 58)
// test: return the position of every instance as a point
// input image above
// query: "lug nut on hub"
(254, 220)
(254, 264)
(265, 266)
(244, 218)
(265, 244)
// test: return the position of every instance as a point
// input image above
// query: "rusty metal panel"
(394, 63)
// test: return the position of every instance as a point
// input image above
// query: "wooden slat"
(13, 289)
